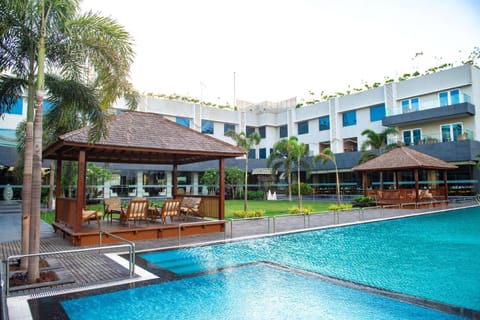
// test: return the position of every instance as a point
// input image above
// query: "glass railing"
(437, 138)
(425, 104)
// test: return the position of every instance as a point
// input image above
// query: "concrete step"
(11, 206)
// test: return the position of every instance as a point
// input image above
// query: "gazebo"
(406, 160)
(140, 138)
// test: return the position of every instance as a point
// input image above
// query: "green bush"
(305, 189)
(296, 210)
(253, 195)
(248, 214)
(343, 206)
(363, 199)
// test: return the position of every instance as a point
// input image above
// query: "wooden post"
(445, 185)
(221, 202)
(416, 185)
(58, 186)
(82, 169)
(364, 183)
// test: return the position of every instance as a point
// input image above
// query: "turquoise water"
(249, 292)
(433, 256)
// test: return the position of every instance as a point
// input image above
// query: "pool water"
(249, 292)
(432, 256)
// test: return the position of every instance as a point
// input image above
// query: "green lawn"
(271, 208)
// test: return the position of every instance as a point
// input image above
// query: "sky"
(257, 50)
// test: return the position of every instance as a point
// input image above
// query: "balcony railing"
(425, 104)
(429, 138)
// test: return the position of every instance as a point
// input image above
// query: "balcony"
(431, 114)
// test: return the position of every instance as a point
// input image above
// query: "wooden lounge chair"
(170, 208)
(111, 206)
(137, 210)
(88, 215)
(190, 205)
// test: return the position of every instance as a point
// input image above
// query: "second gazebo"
(405, 177)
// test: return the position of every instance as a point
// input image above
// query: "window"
(349, 118)
(410, 105)
(249, 130)
(47, 105)
(324, 123)
(251, 154)
(207, 126)
(412, 137)
(284, 131)
(263, 153)
(183, 121)
(263, 132)
(302, 127)
(228, 127)
(16, 108)
(377, 112)
(449, 97)
(450, 132)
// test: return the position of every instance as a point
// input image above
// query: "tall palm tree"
(281, 157)
(76, 46)
(246, 143)
(327, 155)
(299, 151)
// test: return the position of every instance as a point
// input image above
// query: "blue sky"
(280, 49)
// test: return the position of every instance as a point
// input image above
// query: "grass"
(271, 208)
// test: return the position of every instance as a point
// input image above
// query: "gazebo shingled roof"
(141, 137)
(403, 158)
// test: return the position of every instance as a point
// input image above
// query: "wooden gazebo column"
(174, 181)
(82, 169)
(445, 185)
(364, 182)
(58, 187)
(416, 185)
(221, 202)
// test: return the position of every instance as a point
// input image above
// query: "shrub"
(305, 189)
(253, 195)
(248, 214)
(364, 199)
(343, 206)
(296, 210)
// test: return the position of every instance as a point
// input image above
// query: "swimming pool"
(429, 256)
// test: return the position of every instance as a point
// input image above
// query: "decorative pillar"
(139, 186)
(194, 190)
(168, 187)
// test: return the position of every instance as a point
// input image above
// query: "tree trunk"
(289, 180)
(34, 241)
(245, 202)
(299, 189)
(338, 184)
(51, 185)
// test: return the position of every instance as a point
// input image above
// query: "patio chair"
(190, 205)
(111, 206)
(170, 208)
(137, 210)
(88, 215)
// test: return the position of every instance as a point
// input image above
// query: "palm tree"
(327, 155)
(246, 143)
(299, 151)
(281, 157)
(79, 47)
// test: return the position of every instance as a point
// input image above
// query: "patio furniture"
(190, 205)
(170, 208)
(137, 210)
(88, 215)
(111, 206)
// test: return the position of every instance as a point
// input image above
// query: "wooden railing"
(404, 195)
(208, 206)
(65, 211)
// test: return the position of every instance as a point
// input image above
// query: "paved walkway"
(94, 267)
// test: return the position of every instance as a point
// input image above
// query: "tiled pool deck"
(94, 269)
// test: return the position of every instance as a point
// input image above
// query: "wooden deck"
(137, 231)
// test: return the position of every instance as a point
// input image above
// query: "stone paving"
(94, 267)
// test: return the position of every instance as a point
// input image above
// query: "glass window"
(263, 132)
(443, 99)
(262, 153)
(407, 137)
(284, 131)
(454, 96)
(349, 118)
(450, 132)
(414, 104)
(409, 105)
(412, 137)
(446, 133)
(449, 97)
(457, 129)
(405, 106)
(183, 121)
(251, 154)
(324, 123)
(249, 130)
(228, 127)
(207, 126)
(417, 136)
(302, 127)
(16, 108)
(377, 112)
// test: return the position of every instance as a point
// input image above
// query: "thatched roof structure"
(403, 158)
(141, 137)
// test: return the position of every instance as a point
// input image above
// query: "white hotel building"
(435, 114)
